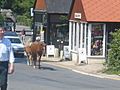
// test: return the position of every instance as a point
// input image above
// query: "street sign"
(31, 11)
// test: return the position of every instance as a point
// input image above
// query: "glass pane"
(97, 39)
(15, 40)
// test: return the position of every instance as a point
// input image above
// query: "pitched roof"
(100, 10)
(58, 6)
(53, 6)
(40, 5)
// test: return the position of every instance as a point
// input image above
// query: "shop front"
(90, 38)
(90, 24)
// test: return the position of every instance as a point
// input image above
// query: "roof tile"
(102, 10)
(40, 5)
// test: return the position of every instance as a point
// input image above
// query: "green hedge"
(113, 64)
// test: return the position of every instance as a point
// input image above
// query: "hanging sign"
(77, 15)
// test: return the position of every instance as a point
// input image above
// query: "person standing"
(23, 33)
(6, 59)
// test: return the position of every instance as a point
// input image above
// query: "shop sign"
(31, 12)
(77, 15)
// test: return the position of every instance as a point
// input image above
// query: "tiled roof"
(58, 6)
(99, 10)
(40, 5)
(54, 6)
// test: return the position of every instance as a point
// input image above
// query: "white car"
(17, 45)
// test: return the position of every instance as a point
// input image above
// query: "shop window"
(97, 31)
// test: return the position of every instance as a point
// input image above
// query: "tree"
(1, 3)
(1, 20)
(113, 63)
(6, 4)
(22, 7)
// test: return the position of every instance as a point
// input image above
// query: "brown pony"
(34, 52)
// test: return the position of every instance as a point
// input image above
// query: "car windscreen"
(14, 40)
(10, 33)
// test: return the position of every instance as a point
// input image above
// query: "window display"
(97, 39)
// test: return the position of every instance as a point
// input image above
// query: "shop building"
(90, 24)
(51, 16)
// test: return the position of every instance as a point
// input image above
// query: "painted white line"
(94, 75)
(87, 73)
(107, 77)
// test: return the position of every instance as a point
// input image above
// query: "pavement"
(93, 68)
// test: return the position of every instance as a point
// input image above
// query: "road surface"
(55, 78)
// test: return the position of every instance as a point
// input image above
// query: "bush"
(113, 64)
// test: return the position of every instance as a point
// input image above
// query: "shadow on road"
(23, 60)
(47, 68)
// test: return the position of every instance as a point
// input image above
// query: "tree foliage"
(1, 20)
(20, 7)
(113, 63)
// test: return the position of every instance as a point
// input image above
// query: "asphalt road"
(55, 78)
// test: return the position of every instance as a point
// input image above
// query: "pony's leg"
(28, 59)
(27, 62)
(34, 61)
(39, 60)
